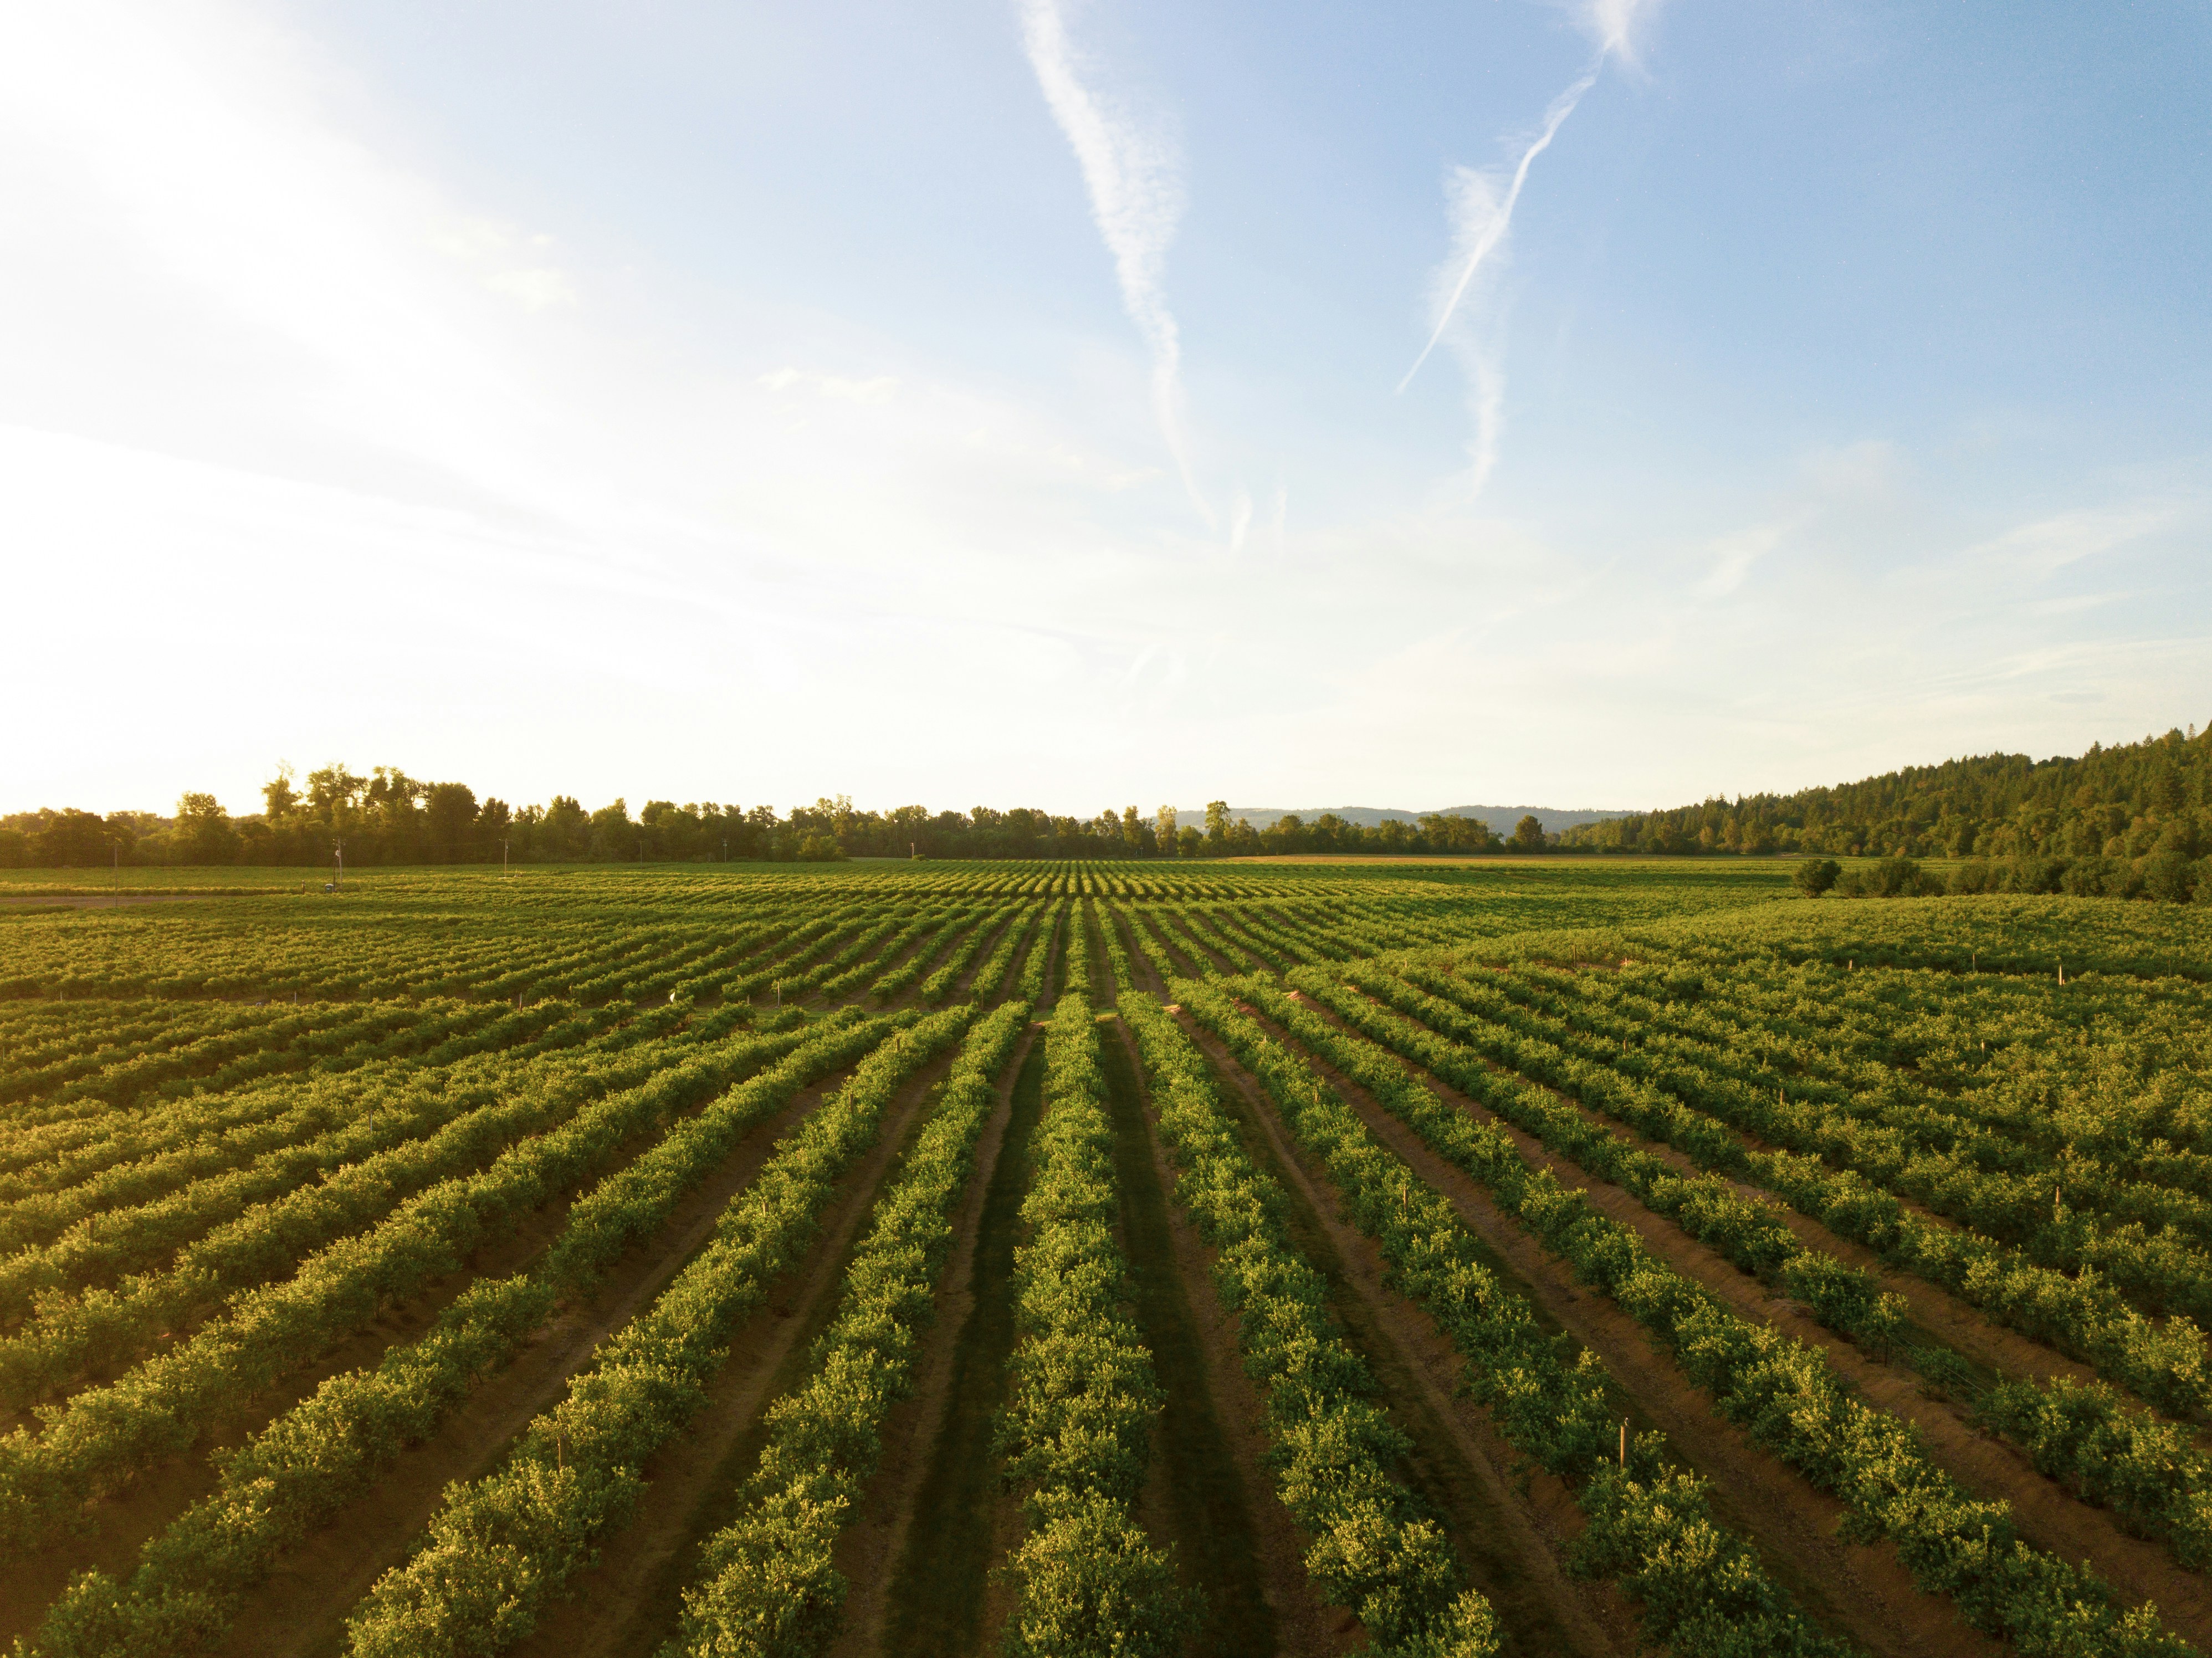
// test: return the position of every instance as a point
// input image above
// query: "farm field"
(1530, 1257)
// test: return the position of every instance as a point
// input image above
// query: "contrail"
(1482, 220)
(1136, 199)
(1501, 219)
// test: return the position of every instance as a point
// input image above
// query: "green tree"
(205, 835)
(613, 837)
(1528, 835)
(449, 812)
(1164, 828)
(564, 831)
(1815, 876)
(1217, 824)
(279, 799)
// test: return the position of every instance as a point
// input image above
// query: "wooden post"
(1624, 1444)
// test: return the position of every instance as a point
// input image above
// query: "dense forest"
(2129, 802)
(389, 818)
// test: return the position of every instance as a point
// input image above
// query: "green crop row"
(1704, 1591)
(103, 1437)
(766, 1587)
(297, 1473)
(501, 1545)
(1374, 1551)
(1784, 1392)
(2082, 1314)
(1081, 1399)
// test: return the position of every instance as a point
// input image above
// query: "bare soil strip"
(302, 1608)
(885, 1521)
(941, 1600)
(628, 1604)
(1863, 1590)
(2049, 1516)
(1198, 1495)
(1509, 1522)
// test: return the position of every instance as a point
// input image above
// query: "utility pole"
(503, 869)
(337, 852)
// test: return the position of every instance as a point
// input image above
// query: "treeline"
(2126, 804)
(2170, 877)
(389, 818)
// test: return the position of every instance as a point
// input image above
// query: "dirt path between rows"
(1510, 1531)
(1863, 1590)
(869, 1550)
(628, 1604)
(2048, 1515)
(302, 1607)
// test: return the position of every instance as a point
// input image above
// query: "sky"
(1066, 403)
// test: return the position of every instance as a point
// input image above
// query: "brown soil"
(1509, 1521)
(302, 1607)
(629, 1602)
(2048, 1515)
(869, 1550)
(1863, 1590)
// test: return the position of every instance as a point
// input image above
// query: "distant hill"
(1500, 818)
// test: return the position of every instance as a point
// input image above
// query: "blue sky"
(1003, 402)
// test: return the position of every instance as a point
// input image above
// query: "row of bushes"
(939, 983)
(1751, 1235)
(766, 1586)
(1782, 1392)
(503, 1545)
(103, 1437)
(1374, 1551)
(2149, 1471)
(1704, 1591)
(1081, 1399)
(2170, 877)
(332, 1446)
(2081, 1314)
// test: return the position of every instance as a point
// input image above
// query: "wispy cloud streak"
(1481, 217)
(1134, 175)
